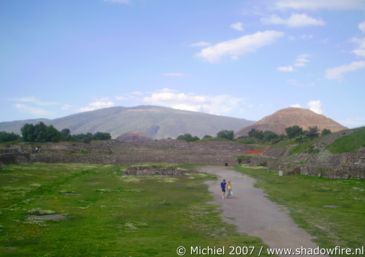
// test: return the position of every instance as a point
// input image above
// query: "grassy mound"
(349, 143)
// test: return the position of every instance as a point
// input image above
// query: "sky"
(239, 58)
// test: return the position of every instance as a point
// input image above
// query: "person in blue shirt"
(223, 188)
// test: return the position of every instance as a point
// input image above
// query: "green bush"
(325, 132)
(188, 138)
(226, 134)
(8, 137)
(312, 132)
(294, 131)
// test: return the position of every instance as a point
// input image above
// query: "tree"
(207, 137)
(258, 134)
(52, 134)
(226, 134)
(294, 131)
(65, 134)
(28, 133)
(270, 136)
(187, 137)
(102, 136)
(325, 132)
(85, 138)
(312, 132)
(40, 132)
(8, 137)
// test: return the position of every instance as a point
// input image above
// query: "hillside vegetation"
(349, 143)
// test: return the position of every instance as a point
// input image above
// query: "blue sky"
(241, 58)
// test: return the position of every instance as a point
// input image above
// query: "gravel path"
(254, 214)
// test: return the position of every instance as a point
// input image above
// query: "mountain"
(278, 121)
(152, 121)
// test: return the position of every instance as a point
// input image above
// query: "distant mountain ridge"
(305, 118)
(151, 121)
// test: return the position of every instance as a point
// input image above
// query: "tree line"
(223, 134)
(43, 133)
(258, 136)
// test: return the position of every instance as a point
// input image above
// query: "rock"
(46, 217)
(40, 212)
(330, 206)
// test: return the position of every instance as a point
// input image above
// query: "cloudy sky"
(242, 58)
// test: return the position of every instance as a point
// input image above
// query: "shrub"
(226, 134)
(8, 137)
(325, 132)
(312, 132)
(294, 131)
(258, 134)
(188, 138)
(207, 137)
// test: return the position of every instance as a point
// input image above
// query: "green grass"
(307, 146)
(331, 210)
(107, 214)
(349, 143)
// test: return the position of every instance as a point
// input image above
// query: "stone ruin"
(161, 171)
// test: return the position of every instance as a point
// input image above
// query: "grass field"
(105, 213)
(331, 210)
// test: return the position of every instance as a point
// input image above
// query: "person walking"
(223, 188)
(229, 188)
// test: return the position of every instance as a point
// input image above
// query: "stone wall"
(323, 164)
(112, 151)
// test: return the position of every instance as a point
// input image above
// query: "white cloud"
(362, 26)
(360, 49)
(294, 20)
(338, 72)
(320, 4)
(117, 1)
(200, 44)
(38, 107)
(237, 47)
(217, 104)
(66, 107)
(237, 26)
(301, 61)
(97, 104)
(174, 74)
(34, 111)
(315, 106)
(285, 68)
(34, 100)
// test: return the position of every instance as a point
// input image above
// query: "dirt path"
(254, 214)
